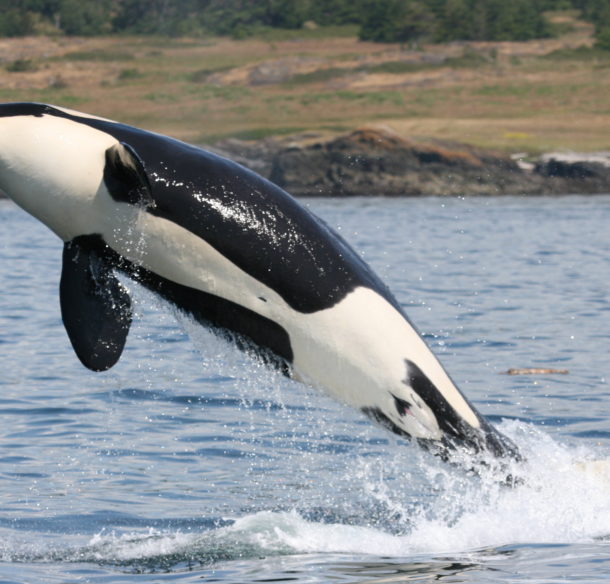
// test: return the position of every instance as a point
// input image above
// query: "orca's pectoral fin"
(95, 307)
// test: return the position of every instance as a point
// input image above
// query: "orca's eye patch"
(403, 407)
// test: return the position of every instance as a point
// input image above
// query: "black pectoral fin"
(125, 176)
(95, 307)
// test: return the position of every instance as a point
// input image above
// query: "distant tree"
(286, 13)
(20, 17)
(448, 20)
(590, 9)
(151, 16)
(16, 23)
(456, 21)
(603, 39)
(492, 20)
(597, 12)
(515, 20)
(601, 17)
(556, 5)
(326, 12)
(418, 22)
(75, 17)
(381, 20)
(602, 27)
(236, 18)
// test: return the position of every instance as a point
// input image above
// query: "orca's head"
(52, 165)
(374, 359)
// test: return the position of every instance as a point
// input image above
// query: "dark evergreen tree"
(381, 20)
(327, 12)
(156, 16)
(286, 13)
(19, 17)
(456, 21)
(75, 17)
(418, 23)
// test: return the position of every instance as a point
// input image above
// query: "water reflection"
(423, 571)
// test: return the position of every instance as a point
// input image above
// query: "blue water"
(188, 462)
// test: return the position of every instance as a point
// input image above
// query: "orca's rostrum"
(235, 252)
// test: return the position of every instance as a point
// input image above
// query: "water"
(188, 462)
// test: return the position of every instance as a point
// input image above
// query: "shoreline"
(374, 161)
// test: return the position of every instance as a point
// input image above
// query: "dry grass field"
(533, 97)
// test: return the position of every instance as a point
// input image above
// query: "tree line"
(404, 21)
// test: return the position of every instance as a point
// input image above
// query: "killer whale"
(236, 253)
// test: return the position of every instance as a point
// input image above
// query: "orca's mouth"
(457, 433)
(486, 440)
(457, 437)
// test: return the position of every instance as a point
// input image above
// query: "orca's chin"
(477, 444)
(457, 439)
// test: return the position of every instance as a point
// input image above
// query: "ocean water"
(189, 462)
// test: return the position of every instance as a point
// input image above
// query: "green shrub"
(21, 66)
(128, 74)
(602, 39)
(16, 22)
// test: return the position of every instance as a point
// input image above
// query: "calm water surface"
(190, 463)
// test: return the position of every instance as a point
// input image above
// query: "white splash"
(563, 499)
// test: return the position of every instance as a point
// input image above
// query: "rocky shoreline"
(378, 162)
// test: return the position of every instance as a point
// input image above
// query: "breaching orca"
(235, 252)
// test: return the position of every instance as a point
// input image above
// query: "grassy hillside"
(532, 97)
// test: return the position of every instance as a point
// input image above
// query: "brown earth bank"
(378, 162)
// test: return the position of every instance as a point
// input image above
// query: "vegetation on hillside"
(597, 12)
(525, 96)
(404, 21)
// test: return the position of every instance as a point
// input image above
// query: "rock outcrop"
(575, 173)
(373, 161)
